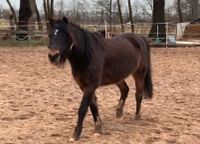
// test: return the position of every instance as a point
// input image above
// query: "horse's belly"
(112, 78)
(118, 71)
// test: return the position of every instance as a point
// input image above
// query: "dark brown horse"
(97, 61)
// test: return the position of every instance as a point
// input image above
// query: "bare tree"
(194, 7)
(1, 11)
(39, 19)
(158, 20)
(120, 15)
(45, 9)
(110, 13)
(52, 8)
(12, 10)
(147, 8)
(35, 15)
(60, 8)
(82, 7)
(28, 13)
(24, 16)
(179, 11)
(187, 10)
(130, 15)
(49, 11)
(136, 11)
(104, 9)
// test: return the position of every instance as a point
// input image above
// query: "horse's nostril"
(54, 58)
(53, 52)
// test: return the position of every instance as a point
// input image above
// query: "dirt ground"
(39, 102)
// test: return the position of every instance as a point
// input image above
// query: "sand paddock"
(39, 102)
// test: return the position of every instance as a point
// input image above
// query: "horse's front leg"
(85, 103)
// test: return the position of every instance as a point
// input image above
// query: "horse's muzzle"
(54, 56)
(53, 52)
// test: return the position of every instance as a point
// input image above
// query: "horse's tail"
(148, 85)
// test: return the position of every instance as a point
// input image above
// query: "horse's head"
(60, 41)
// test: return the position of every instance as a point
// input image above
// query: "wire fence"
(174, 32)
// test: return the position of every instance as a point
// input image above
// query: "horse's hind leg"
(124, 93)
(95, 114)
(139, 84)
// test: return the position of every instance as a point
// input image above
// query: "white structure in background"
(181, 29)
(180, 32)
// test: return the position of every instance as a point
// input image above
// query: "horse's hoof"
(120, 109)
(97, 134)
(120, 119)
(71, 139)
(98, 131)
(137, 117)
(119, 113)
(75, 137)
(97, 127)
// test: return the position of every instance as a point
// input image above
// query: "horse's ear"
(65, 20)
(51, 22)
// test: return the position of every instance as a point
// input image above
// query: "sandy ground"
(39, 102)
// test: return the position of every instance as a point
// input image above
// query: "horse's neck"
(79, 56)
(78, 37)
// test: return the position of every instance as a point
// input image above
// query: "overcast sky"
(15, 3)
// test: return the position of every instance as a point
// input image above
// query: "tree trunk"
(158, 22)
(35, 14)
(39, 20)
(13, 11)
(110, 14)
(130, 15)
(120, 15)
(52, 8)
(46, 15)
(49, 11)
(33, 17)
(102, 16)
(45, 9)
(24, 16)
(179, 11)
(196, 8)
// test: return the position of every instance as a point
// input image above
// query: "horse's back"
(121, 59)
(136, 40)
(128, 43)
(140, 43)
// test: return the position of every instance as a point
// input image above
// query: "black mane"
(78, 58)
